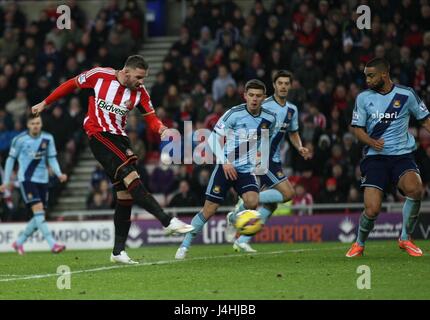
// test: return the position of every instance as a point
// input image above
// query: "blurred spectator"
(162, 180)
(97, 176)
(302, 198)
(221, 83)
(213, 118)
(159, 89)
(184, 197)
(102, 197)
(330, 194)
(231, 97)
(18, 107)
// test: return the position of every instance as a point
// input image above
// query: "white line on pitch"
(161, 262)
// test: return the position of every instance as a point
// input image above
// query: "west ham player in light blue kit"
(34, 150)
(242, 126)
(381, 120)
(279, 189)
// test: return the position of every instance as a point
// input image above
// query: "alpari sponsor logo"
(384, 116)
(112, 108)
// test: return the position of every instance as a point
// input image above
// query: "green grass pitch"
(215, 272)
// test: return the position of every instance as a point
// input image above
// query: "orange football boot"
(410, 248)
(355, 251)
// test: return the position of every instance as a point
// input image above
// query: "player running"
(240, 125)
(279, 189)
(116, 93)
(380, 120)
(34, 150)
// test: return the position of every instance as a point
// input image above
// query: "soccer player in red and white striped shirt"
(116, 93)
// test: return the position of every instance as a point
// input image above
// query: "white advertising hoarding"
(75, 235)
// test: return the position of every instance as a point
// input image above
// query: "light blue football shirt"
(244, 133)
(386, 116)
(33, 155)
(287, 120)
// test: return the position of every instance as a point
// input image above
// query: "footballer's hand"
(305, 153)
(38, 108)
(162, 131)
(62, 178)
(378, 145)
(229, 171)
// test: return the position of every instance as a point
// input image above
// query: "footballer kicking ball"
(248, 222)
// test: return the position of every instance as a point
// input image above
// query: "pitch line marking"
(160, 262)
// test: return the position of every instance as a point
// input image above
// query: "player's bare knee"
(38, 207)
(372, 211)
(123, 195)
(415, 194)
(250, 203)
(131, 177)
(209, 209)
(289, 194)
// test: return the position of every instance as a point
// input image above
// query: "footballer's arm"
(362, 135)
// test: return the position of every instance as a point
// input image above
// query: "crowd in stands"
(36, 56)
(220, 47)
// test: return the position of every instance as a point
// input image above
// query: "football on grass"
(248, 222)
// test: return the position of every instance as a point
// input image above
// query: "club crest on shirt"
(280, 174)
(396, 104)
(129, 152)
(29, 196)
(216, 189)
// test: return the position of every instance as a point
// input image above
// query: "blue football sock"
(198, 222)
(28, 231)
(42, 225)
(366, 225)
(410, 214)
(265, 215)
(271, 196)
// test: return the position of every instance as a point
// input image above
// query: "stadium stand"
(202, 72)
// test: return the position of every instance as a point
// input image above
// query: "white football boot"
(243, 247)
(122, 258)
(177, 226)
(181, 253)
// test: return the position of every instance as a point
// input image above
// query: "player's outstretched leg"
(147, 201)
(18, 245)
(122, 226)
(198, 222)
